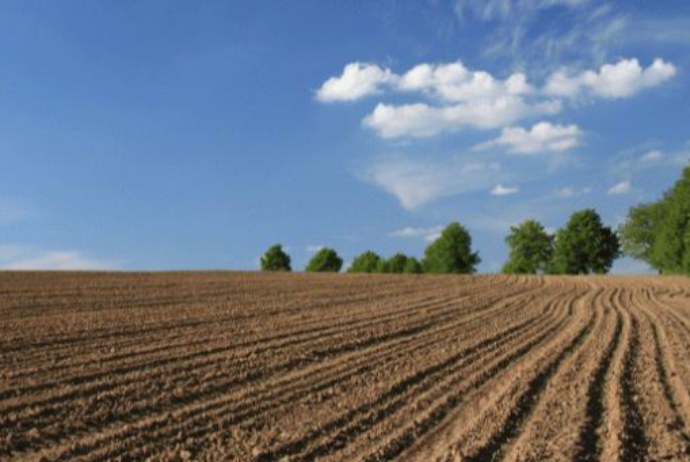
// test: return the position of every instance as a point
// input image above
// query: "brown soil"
(287, 367)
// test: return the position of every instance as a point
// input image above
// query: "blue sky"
(190, 135)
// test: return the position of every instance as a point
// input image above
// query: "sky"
(155, 135)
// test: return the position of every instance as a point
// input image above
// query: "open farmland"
(280, 367)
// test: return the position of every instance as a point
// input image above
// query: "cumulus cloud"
(468, 98)
(620, 188)
(542, 137)
(428, 234)
(621, 80)
(417, 182)
(500, 190)
(357, 81)
(453, 82)
(421, 120)
(19, 257)
(477, 99)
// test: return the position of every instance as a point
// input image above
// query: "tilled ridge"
(296, 367)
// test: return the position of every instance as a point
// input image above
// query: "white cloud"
(568, 192)
(20, 257)
(357, 81)
(313, 248)
(428, 234)
(421, 120)
(620, 188)
(500, 190)
(417, 182)
(621, 80)
(653, 155)
(542, 137)
(453, 82)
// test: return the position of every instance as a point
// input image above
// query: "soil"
(302, 367)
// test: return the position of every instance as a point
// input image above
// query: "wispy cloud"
(416, 182)
(313, 248)
(624, 187)
(428, 234)
(23, 257)
(568, 192)
(500, 190)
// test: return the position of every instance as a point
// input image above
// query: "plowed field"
(256, 367)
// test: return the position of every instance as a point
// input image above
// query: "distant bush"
(451, 252)
(325, 260)
(275, 259)
(367, 262)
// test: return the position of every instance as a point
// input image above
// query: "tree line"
(584, 246)
(657, 233)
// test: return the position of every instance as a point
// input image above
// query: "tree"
(367, 262)
(584, 246)
(325, 260)
(275, 259)
(670, 247)
(638, 233)
(451, 252)
(396, 264)
(531, 249)
(413, 266)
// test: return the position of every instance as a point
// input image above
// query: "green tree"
(451, 252)
(638, 233)
(670, 249)
(413, 266)
(367, 262)
(396, 264)
(275, 259)
(325, 260)
(531, 249)
(584, 246)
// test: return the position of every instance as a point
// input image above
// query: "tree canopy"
(658, 233)
(367, 262)
(413, 266)
(531, 249)
(451, 252)
(395, 264)
(640, 230)
(275, 259)
(670, 251)
(325, 260)
(584, 246)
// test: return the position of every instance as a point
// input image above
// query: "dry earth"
(256, 367)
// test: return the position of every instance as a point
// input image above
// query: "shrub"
(275, 259)
(367, 262)
(325, 260)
